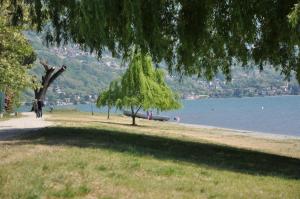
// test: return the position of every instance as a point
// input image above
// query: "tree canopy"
(16, 57)
(192, 36)
(141, 87)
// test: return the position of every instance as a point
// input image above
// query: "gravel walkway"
(18, 126)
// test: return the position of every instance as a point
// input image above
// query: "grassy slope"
(90, 157)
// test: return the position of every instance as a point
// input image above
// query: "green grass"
(96, 162)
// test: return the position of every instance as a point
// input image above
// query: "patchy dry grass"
(91, 157)
(275, 145)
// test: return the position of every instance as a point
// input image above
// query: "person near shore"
(150, 116)
(35, 108)
(51, 108)
(40, 108)
(177, 118)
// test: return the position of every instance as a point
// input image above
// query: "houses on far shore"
(63, 98)
(59, 97)
(193, 96)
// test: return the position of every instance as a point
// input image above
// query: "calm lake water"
(277, 115)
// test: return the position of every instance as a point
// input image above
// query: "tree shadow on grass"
(211, 155)
(117, 123)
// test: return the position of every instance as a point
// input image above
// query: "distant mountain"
(86, 76)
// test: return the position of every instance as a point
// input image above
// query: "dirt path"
(18, 126)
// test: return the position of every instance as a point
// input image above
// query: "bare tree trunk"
(133, 115)
(108, 112)
(47, 79)
(133, 120)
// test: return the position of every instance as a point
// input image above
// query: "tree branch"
(132, 110)
(57, 73)
(47, 79)
(47, 76)
(137, 110)
(46, 66)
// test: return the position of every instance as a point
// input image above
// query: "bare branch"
(138, 110)
(47, 66)
(49, 76)
(57, 73)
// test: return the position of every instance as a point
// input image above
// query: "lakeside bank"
(271, 115)
(240, 131)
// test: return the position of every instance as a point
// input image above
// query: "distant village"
(219, 89)
(216, 90)
(70, 99)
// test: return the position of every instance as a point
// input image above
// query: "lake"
(276, 115)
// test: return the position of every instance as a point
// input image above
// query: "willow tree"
(143, 87)
(198, 37)
(110, 97)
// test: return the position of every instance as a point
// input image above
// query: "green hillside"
(86, 75)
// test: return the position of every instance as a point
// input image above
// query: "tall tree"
(192, 36)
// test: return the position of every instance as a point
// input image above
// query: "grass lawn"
(91, 157)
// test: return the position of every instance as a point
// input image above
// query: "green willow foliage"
(192, 36)
(142, 86)
(110, 97)
(294, 16)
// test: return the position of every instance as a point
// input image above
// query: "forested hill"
(86, 75)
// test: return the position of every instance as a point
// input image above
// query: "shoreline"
(244, 132)
(240, 131)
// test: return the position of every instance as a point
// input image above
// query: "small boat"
(144, 116)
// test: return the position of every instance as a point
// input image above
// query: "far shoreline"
(272, 128)
(240, 131)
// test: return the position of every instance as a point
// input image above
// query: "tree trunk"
(108, 112)
(133, 116)
(47, 79)
(133, 120)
